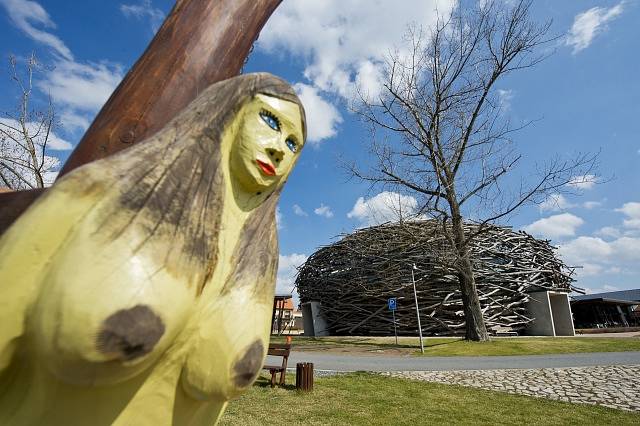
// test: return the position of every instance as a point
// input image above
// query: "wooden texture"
(304, 376)
(200, 43)
(12, 204)
(354, 278)
(283, 350)
(165, 245)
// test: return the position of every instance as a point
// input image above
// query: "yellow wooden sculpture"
(139, 289)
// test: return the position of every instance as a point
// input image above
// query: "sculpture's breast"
(106, 310)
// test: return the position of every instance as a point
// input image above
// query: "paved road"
(337, 362)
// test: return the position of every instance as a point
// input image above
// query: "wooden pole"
(200, 42)
(395, 328)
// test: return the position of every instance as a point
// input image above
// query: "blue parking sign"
(392, 304)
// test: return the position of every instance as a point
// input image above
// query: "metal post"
(415, 296)
(395, 329)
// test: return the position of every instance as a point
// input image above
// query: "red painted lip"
(266, 168)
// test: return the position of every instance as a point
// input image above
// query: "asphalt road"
(337, 362)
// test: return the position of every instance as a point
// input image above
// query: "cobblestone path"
(610, 386)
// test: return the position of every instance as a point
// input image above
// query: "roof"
(604, 300)
(283, 296)
(284, 301)
(623, 295)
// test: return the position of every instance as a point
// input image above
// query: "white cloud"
(25, 14)
(297, 210)
(589, 269)
(583, 182)
(609, 253)
(608, 231)
(144, 9)
(554, 203)
(599, 257)
(287, 270)
(587, 25)
(632, 211)
(384, 207)
(84, 87)
(344, 42)
(74, 120)
(561, 225)
(54, 142)
(504, 98)
(604, 289)
(627, 249)
(16, 157)
(589, 205)
(585, 250)
(324, 211)
(80, 89)
(322, 117)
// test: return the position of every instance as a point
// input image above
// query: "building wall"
(314, 322)
(552, 313)
(539, 306)
(562, 318)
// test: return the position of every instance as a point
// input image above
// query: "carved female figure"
(139, 288)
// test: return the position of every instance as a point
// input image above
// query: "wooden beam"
(199, 43)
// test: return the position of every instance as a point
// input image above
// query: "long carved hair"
(170, 187)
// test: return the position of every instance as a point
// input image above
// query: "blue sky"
(585, 97)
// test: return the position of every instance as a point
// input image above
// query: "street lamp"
(415, 297)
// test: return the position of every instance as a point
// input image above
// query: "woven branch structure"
(354, 277)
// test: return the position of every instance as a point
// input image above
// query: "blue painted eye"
(293, 146)
(271, 120)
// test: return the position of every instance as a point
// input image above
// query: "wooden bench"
(278, 349)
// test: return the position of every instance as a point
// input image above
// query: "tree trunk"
(475, 327)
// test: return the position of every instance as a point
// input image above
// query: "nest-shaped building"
(351, 280)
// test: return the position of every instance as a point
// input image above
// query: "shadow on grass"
(265, 382)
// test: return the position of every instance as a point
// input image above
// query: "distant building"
(614, 309)
(286, 319)
(522, 285)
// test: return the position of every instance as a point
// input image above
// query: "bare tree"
(440, 131)
(24, 135)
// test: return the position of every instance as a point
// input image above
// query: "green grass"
(368, 399)
(459, 347)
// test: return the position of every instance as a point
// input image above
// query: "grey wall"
(314, 322)
(539, 306)
(562, 318)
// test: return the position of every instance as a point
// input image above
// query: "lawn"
(368, 399)
(458, 347)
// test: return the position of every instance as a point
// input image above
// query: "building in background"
(286, 319)
(611, 310)
(522, 285)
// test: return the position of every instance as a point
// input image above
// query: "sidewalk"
(338, 362)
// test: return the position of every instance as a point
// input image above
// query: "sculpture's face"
(268, 143)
